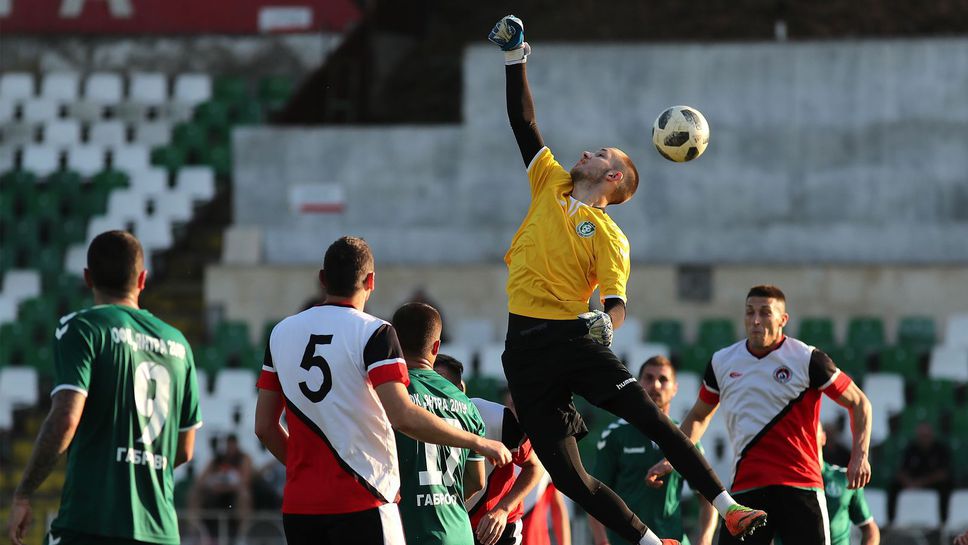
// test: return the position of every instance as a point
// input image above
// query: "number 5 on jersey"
(311, 359)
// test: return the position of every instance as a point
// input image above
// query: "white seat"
(956, 332)
(127, 204)
(85, 111)
(8, 158)
(107, 133)
(154, 233)
(198, 181)
(8, 109)
(86, 160)
(949, 362)
(234, 384)
(473, 331)
(62, 86)
(41, 160)
(152, 133)
(103, 88)
(461, 353)
(18, 133)
(636, 354)
(629, 335)
(490, 360)
(917, 509)
(192, 89)
(686, 397)
(8, 309)
(21, 284)
(18, 387)
(886, 394)
(149, 88)
(131, 159)
(957, 512)
(62, 132)
(100, 224)
(75, 260)
(150, 181)
(17, 85)
(176, 207)
(37, 110)
(877, 501)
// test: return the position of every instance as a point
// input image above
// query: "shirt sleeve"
(268, 378)
(859, 511)
(612, 265)
(606, 462)
(191, 414)
(383, 358)
(543, 170)
(709, 390)
(825, 376)
(76, 344)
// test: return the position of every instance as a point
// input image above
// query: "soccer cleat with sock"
(742, 521)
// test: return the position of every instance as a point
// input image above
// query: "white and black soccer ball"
(680, 133)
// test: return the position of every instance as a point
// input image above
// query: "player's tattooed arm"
(520, 107)
(55, 436)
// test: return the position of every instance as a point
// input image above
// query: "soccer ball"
(680, 134)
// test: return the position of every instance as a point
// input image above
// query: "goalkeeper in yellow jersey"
(567, 246)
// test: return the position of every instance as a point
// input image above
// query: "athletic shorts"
(379, 526)
(797, 515)
(58, 536)
(546, 362)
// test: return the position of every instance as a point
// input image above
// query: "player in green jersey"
(624, 458)
(846, 506)
(434, 480)
(125, 401)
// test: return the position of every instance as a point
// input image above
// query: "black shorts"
(797, 516)
(380, 526)
(546, 362)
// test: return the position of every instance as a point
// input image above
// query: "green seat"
(900, 360)
(936, 394)
(885, 460)
(230, 88)
(866, 334)
(274, 91)
(232, 338)
(916, 333)
(912, 416)
(817, 332)
(695, 358)
(848, 360)
(209, 358)
(38, 312)
(190, 136)
(219, 158)
(667, 332)
(49, 261)
(212, 114)
(716, 333)
(169, 157)
(247, 112)
(489, 388)
(110, 179)
(959, 423)
(13, 338)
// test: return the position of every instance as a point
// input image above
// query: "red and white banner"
(175, 16)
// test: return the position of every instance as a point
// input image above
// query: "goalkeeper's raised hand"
(599, 326)
(508, 34)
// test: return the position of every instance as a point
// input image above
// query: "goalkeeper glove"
(599, 326)
(508, 34)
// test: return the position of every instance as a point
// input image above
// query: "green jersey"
(624, 458)
(432, 476)
(844, 506)
(138, 375)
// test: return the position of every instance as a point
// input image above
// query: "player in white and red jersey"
(496, 511)
(768, 387)
(340, 375)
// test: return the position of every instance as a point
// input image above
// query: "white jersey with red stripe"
(772, 406)
(499, 425)
(341, 454)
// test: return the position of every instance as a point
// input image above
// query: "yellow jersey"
(563, 249)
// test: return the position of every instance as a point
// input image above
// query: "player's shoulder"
(733, 351)
(340, 316)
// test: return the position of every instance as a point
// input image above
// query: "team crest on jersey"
(782, 375)
(585, 229)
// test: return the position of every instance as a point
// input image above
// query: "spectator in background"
(225, 483)
(926, 463)
(834, 451)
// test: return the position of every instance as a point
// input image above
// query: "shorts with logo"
(546, 361)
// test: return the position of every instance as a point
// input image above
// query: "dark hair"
(418, 326)
(630, 181)
(658, 361)
(767, 290)
(451, 364)
(114, 261)
(346, 264)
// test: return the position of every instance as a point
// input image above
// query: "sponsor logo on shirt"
(625, 383)
(782, 375)
(735, 374)
(634, 450)
(585, 229)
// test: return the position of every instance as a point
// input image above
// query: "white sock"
(650, 539)
(723, 502)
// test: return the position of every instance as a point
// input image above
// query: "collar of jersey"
(572, 208)
(344, 305)
(772, 350)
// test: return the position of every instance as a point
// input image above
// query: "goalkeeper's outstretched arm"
(508, 34)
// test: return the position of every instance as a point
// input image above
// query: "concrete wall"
(831, 152)
(258, 294)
